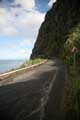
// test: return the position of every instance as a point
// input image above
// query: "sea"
(7, 65)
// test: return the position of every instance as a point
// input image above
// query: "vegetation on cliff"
(73, 41)
(31, 62)
(59, 27)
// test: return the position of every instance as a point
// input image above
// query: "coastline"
(20, 71)
(9, 65)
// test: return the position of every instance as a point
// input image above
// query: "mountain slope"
(63, 17)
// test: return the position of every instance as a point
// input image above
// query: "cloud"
(51, 3)
(6, 28)
(29, 23)
(8, 31)
(27, 4)
(20, 49)
(3, 16)
(23, 21)
(19, 54)
(23, 53)
(28, 43)
(23, 50)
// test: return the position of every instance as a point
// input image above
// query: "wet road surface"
(36, 95)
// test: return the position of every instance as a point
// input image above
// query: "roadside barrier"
(20, 71)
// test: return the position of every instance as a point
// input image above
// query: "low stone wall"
(19, 71)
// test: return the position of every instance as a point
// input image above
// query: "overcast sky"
(20, 21)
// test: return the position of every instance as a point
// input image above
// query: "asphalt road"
(36, 95)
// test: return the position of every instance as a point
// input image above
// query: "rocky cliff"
(59, 21)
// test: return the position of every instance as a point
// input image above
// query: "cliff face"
(54, 31)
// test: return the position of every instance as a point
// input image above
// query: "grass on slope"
(31, 62)
(75, 80)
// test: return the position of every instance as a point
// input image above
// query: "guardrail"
(19, 71)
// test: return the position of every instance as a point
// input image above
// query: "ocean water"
(7, 65)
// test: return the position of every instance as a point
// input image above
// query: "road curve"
(36, 95)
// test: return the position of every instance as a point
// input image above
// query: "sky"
(20, 21)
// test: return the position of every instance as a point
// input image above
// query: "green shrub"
(31, 62)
